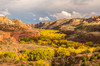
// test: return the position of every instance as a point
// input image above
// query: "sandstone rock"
(15, 29)
(4, 35)
(75, 21)
(3, 19)
(1, 37)
(23, 34)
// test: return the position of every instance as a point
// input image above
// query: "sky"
(35, 11)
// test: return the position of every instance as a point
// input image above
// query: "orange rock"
(1, 37)
(23, 34)
(15, 29)
(6, 35)
(3, 19)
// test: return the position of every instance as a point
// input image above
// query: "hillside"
(77, 29)
(14, 29)
(67, 24)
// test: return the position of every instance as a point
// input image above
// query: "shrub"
(63, 45)
(32, 41)
(1, 55)
(41, 53)
(91, 50)
(62, 52)
(23, 55)
(53, 45)
(41, 63)
(22, 42)
(11, 55)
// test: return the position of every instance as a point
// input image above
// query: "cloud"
(27, 5)
(61, 15)
(34, 19)
(4, 12)
(44, 18)
(65, 14)
(81, 2)
(57, 8)
(74, 14)
(37, 6)
(77, 15)
(33, 15)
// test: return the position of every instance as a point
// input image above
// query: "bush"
(32, 41)
(41, 53)
(1, 55)
(41, 63)
(62, 52)
(53, 45)
(23, 55)
(22, 42)
(11, 55)
(91, 50)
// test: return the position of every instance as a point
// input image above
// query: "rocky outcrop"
(14, 29)
(51, 25)
(3, 19)
(17, 35)
(4, 35)
(58, 24)
(96, 18)
(31, 25)
(12, 24)
(23, 34)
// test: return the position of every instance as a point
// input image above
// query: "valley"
(65, 42)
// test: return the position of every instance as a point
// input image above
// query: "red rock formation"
(15, 29)
(1, 37)
(3, 19)
(4, 35)
(23, 34)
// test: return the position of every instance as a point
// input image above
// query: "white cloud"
(61, 15)
(77, 15)
(74, 14)
(93, 13)
(4, 12)
(33, 15)
(58, 8)
(44, 18)
(34, 19)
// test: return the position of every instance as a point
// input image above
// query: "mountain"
(66, 24)
(77, 29)
(14, 29)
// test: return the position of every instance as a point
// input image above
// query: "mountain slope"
(77, 29)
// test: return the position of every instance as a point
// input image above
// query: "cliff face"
(14, 29)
